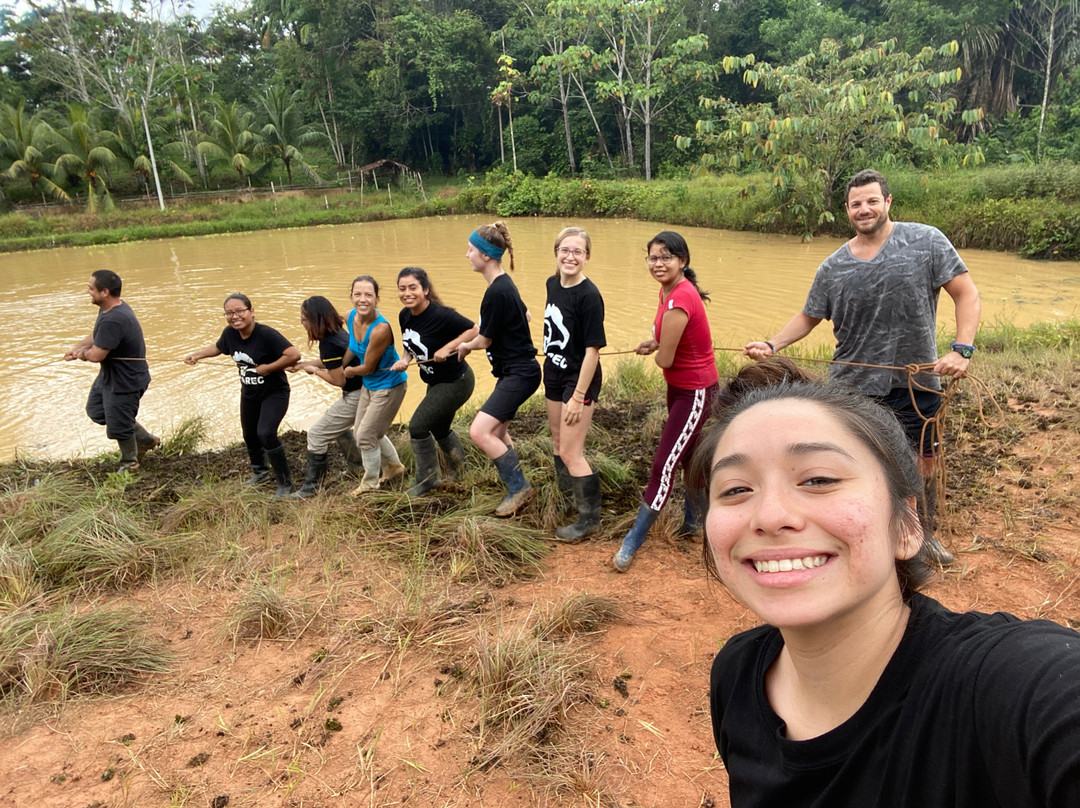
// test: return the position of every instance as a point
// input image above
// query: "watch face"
(963, 350)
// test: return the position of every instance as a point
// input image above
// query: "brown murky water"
(176, 288)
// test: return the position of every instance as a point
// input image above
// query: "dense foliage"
(137, 97)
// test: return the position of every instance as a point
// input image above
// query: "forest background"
(777, 101)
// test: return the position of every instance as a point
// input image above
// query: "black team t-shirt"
(265, 345)
(332, 349)
(503, 321)
(423, 334)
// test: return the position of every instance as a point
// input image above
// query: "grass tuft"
(526, 687)
(265, 612)
(18, 580)
(581, 613)
(186, 438)
(59, 654)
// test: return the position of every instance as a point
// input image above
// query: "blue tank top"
(383, 378)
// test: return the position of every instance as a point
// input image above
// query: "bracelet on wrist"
(771, 346)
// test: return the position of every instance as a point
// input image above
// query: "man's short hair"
(107, 280)
(867, 176)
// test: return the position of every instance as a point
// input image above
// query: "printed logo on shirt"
(556, 335)
(246, 365)
(411, 342)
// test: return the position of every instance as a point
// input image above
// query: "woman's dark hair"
(677, 246)
(872, 425)
(237, 296)
(424, 281)
(321, 318)
(374, 283)
(498, 235)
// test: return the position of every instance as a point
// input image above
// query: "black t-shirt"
(118, 331)
(265, 345)
(573, 321)
(503, 321)
(972, 711)
(428, 331)
(332, 349)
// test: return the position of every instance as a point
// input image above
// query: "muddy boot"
(694, 508)
(426, 455)
(646, 517)
(566, 488)
(314, 474)
(935, 551)
(519, 490)
(390, 463)
(454, 453)
(354, 462)
(146, 441)
(260, 468)
(370, 481)
(587, 497)
(129, 454)
(279, 462)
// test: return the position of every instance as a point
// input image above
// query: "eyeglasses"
(659, 259)
(577, 252)
(230, 313)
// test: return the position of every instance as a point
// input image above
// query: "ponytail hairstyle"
(424, 281)
(677, 246)
(497, 235)
(322, 319)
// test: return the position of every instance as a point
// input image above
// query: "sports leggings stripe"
(687, 411)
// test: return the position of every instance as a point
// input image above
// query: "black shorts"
(899, 401)
(511, 391)
(559, 384)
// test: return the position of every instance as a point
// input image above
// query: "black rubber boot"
(519, 490)
(454, 453)
(314, 473)
(279, 462)
(426, 456)
(129, 454)
(563, 478)
(587, 497)
(146, 441)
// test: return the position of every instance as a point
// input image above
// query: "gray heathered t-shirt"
(884, 310)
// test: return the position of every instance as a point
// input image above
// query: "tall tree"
(833, 111)
(83, 154)
(25, 143)
(285, 133)
(231, 140)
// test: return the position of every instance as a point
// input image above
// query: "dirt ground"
(331, 720)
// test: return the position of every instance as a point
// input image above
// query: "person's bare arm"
(290, 356)
(450, 348)
(968, 305)
(202, 353)
(794, 330)
(672, 327)
(378, 342)
(76, 351)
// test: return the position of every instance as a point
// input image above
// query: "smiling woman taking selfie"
(859, 691)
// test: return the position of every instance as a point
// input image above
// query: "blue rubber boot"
(519, 490)
(694, 508)
(646, 517)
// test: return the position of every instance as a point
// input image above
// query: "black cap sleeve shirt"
(573, 321)
(972, 711)
(423, 334)
(265, 345)
(503, 321)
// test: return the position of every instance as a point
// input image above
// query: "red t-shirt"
(694, 367)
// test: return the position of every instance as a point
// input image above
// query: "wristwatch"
(964, 350)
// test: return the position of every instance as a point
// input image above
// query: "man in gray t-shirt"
(880, 291)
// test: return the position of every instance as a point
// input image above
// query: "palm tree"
(231, 139)
(130, 147)
(285, 132)
(83, 154)
(25, 141)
